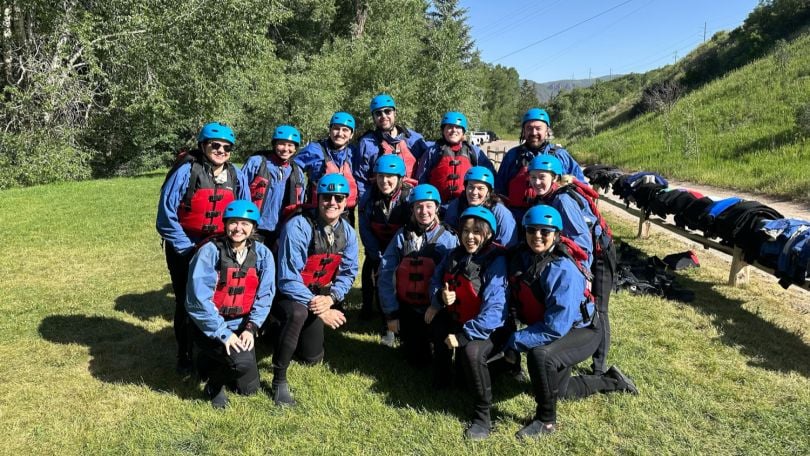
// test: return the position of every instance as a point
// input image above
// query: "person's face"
(540, 239)
(387, 183)
(471, 237)
(340, 135)
(424, 212)
(453, 134)
(385, 118)
(331, 206)
(217, 151)
(238, 230)
(535, 132)
(284, 149)
(541, 181)
(477, 192)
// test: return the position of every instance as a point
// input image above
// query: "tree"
(527, 98)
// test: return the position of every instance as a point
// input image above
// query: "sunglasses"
(380, 112)
(543, 231)
(338, 198)
(216, 146)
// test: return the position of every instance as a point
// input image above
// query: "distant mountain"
(547, 90)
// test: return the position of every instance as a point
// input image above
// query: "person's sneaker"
(282, 396)
(535, 429)
(218, 398)
(625, 382)
(476, 431)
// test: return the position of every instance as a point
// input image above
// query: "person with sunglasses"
(549, 294)
(194, 195)
(333, 154)
(405, 271)
(388, 137)
(447, 160)
(478, 192)
(317, 265)
(231, 285)
(468, 310)
(383, 210)
(276, 183)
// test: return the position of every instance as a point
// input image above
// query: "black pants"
(370, 301)
(550, 371)
(178, 271)
(414, 335)
(477, 372)
(297, 332)
(604, 272)
(237, 370)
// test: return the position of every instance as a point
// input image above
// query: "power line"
(502, 25)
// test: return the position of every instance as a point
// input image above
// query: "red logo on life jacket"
(448, 174)
(237, 284)
(200, 211)
(323, 258)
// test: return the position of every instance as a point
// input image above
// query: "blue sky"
(600, 37)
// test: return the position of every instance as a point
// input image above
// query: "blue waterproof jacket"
(510, 166)
(575, 222)
(368, 149)
(506, 234)
(274, 196)
(202, 281)
(311, 158)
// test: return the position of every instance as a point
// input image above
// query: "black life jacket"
(329, 167)
(415, 270)
(520, 192)
(385, 222)
(323, 260)
(293, 187)
(464, 276)
(448, 174)
(237, 284)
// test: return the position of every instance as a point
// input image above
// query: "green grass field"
(88, 360)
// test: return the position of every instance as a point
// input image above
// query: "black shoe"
(476, 431)
(185, 366)
(282, 396)
(535, 430)
(625, 383)
(218, 398)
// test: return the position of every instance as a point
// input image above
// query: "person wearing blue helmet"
(317, 265)
(231, 285)
(549, 295)
(388, 137)
(194, 195)
(383, 210)
(276, 182)
(479, 192)
(333, 154)
(405, 271)
(512, 180)
(468, 310)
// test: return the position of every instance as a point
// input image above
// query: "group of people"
(458, 257)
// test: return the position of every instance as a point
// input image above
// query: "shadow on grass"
(121, 352)
(158, 303)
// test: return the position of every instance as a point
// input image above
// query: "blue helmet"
(216, 130)
(454, 118)
(333, 184)
(482, 174)
(287, 133)
(424, 192)
(342, 118)
(382, 100)
(536, 114)
(543, 216)
(242, 209)
(546, 162)
(390, 164)
(481, 213)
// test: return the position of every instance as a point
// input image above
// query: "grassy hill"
(88, 358)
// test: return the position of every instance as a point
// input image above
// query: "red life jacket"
(400, 148)
(237, 284)
(293, 187)
(519, 189)
(528, 296)
(415, 269)
(448, 174)
(323, 260)
(329, 167)
(464, 276)
(574, 188)
(387, 215)
(200, 211)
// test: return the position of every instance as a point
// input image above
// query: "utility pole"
(676, 57)
(589, 75)
(704, 31)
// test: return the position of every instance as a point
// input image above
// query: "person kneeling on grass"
(231, 284)
(317, 262)
(548, 284)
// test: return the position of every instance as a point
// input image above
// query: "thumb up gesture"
(449, 297)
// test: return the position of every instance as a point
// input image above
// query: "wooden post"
(739, 273)
(643, 226)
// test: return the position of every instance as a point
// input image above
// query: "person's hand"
(234, 343)
(320, 304)
(247, 340)
(430, 313)
(332, 318)
(451, 341)
(449, 297)
(393, 326)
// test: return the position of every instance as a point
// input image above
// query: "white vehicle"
(479, 137)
